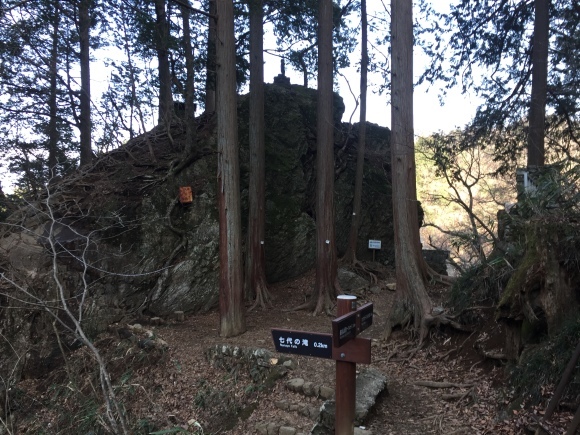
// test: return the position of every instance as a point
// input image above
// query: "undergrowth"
(543, 365)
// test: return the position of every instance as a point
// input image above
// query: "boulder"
(148, 253)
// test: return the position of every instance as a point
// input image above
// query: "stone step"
(309, 389)
(305, 409)
(276, 429)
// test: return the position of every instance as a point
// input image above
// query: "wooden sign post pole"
(345, 380)
(343, 346)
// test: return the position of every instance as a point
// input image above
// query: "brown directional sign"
(344, 328)
(364, 317)
(348, 326)
(342, 345)
(302, 343)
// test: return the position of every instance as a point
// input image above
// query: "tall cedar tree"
(210, 76)
(256, 284)
(53, 134)
(540, 43)
(326, 286)
(84, 23)
(189, 75)
(410, 267)
(162, 48)
(232, 314)
(350, 254)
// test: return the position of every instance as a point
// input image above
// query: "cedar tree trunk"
(256, 284)
(52, 102)
(232, 315)
(210, 77)
(350, 254)
(412, 297)
(539, 83)
(85, 95)
(165, 96)
(189, 80)
(326, 288)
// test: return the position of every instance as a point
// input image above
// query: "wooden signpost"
(342, 345)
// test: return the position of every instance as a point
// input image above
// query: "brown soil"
(176, 387)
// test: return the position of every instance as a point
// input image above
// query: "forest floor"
(181, 390)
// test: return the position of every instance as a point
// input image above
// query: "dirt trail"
(166, 382)
(407, 409)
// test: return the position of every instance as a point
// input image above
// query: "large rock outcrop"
(123, 243)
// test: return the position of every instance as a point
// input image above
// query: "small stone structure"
(281, 79)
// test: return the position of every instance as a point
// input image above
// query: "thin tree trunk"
(134, 104)
(210, 80)
(85, 96)
(326, 261)
(350, 254)
(165, 95)
(256, 284)
(52, 103)
(410, 267)
(232, 314)
(541, 41)
(189, 80)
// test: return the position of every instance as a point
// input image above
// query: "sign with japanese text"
(364, 317)
(374, 244)
(302, 343)
(345, 328)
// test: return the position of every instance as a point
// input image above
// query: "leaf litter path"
(443, 388)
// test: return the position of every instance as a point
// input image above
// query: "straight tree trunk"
(189, 80)
(326, 288)
(541, 41)
(85, 96)
(350, 254)
(210, 80)
(256, 284)
(410, 266)
(165, 95)
(52, 102)
(232, 314)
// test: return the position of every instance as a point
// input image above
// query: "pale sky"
(429, 115)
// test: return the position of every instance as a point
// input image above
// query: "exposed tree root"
(366, 270)
(402, 314)
(320, 301)
(433, 276)
(263, 296)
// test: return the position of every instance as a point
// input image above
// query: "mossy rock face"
(150, 254)
(290, 141)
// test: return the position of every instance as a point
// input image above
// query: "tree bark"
(189, 80)
(85, 127)
(536, 152)
(52, 102)
(350, 254)
(326, 261)
(256, 284)
(410, 266)
(210, 78)
(232, 315)
(161, 46)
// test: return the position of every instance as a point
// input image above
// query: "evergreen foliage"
(486, 48)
